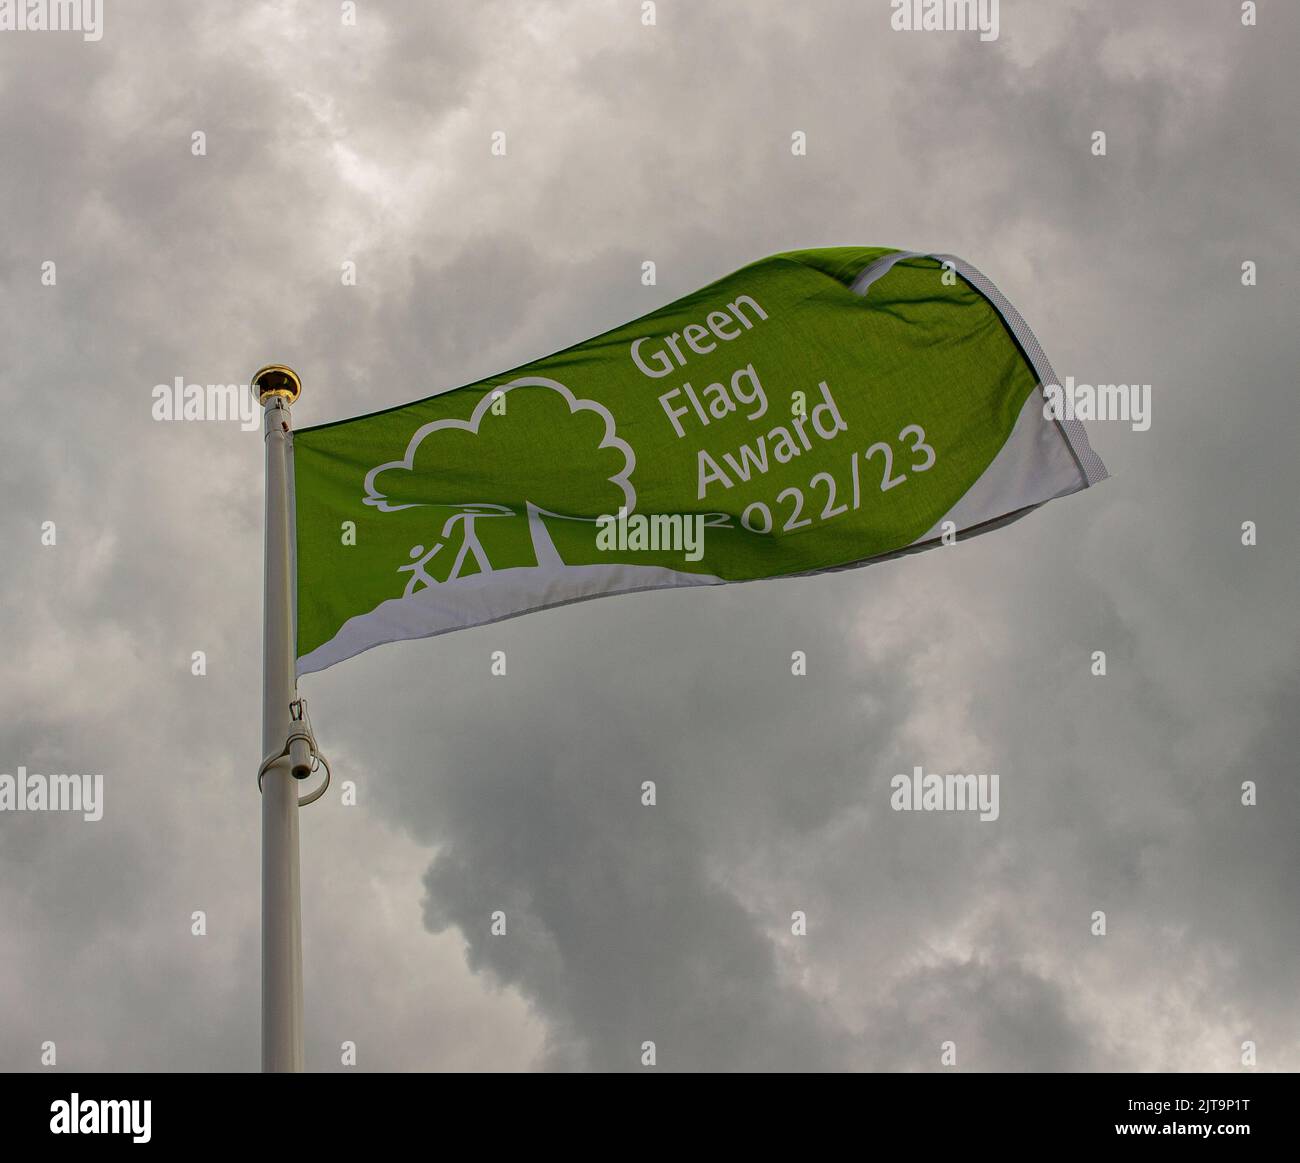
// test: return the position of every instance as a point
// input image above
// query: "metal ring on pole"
(275, 758)
(311, 798)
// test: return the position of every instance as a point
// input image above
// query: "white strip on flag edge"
(1071, 427)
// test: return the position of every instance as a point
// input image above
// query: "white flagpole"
(282, 1035)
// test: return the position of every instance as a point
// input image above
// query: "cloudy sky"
(327, 143)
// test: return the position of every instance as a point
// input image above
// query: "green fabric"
(918, 350)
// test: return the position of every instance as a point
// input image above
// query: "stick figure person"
(420, 578)
(469, 543)
(466, 516)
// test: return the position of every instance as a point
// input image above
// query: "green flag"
(816, 410)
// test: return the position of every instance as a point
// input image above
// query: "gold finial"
(277, 380)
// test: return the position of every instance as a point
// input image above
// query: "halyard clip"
(300, 747)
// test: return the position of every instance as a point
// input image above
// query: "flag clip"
(304, 757)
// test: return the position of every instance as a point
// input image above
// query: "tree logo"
(547, 455)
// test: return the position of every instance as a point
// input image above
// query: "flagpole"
(282, 1033)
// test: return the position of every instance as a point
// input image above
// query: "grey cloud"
(522, 793)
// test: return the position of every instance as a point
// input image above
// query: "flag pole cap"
(277, 380)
